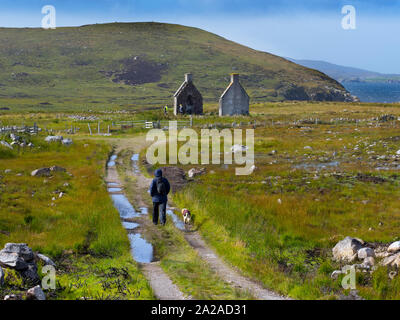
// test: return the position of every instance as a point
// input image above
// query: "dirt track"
(159, 280)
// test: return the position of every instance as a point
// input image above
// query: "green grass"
(288, 246)
(82, 222)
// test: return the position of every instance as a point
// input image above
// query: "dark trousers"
(159, 208)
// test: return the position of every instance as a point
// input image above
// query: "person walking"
(159, 190)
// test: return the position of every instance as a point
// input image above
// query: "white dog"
(186, 216)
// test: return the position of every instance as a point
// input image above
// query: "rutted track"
(163, 287)
(223, 270)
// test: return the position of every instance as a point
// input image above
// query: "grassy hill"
(126, 65)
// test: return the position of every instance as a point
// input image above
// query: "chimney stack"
(188, 77)
(235, 77)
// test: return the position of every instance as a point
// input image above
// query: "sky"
(308, 29)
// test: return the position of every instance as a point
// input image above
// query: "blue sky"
(292, 28)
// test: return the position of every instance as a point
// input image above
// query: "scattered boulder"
(365, 253)
(12, 297)
(53, 139)
(394, 247)
(30, 275)
(392, 274)
(66, 142)
(20, 257)
(21, 249)
(35, 293)
(346, 249)
(368, 263)
(393, 260)
(12, 260)
(42, 172)
(46, 260)
(7, 171)
(196, 172)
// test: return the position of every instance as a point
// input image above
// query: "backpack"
(161, 187)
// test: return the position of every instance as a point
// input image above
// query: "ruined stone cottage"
(234, 100)
(188, 100)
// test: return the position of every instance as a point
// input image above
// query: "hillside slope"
(138, 64)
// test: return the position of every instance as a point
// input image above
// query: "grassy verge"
(81, 227)
(192, 275)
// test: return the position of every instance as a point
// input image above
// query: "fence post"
(90, 129)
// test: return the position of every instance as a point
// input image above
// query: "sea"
(384, 92)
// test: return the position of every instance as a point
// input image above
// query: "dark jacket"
(153, 188)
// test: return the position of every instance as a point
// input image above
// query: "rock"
(238, 148)
(30, 275)
(6, 144)
(394, 247)
(46, 260)
(21, 249)
(365, 252)
(43, 172)
(196, 172)
(393, 260)
(335, 274)
(346, 249)
(53, 139)
(12, 297)
(12, 260)
(1, 277)
(7, 171)
(368, 262)
(57, 169)
(67, 142)
(392, 274)
(35, 293)
(307, 148)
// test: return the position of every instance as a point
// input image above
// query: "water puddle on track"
(141, 250)
(177, 222)
(135, 163)
(111, 163)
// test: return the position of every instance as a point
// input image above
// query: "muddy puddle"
(130, 225)
(111, 163)
(135, 163)
(141, 250)
(177, 222)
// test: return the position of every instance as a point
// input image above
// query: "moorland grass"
(82, 222)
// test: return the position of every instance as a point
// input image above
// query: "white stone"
(365, 252)
(46, 260)
(394, 247)
(53, 139)
(346, 249)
